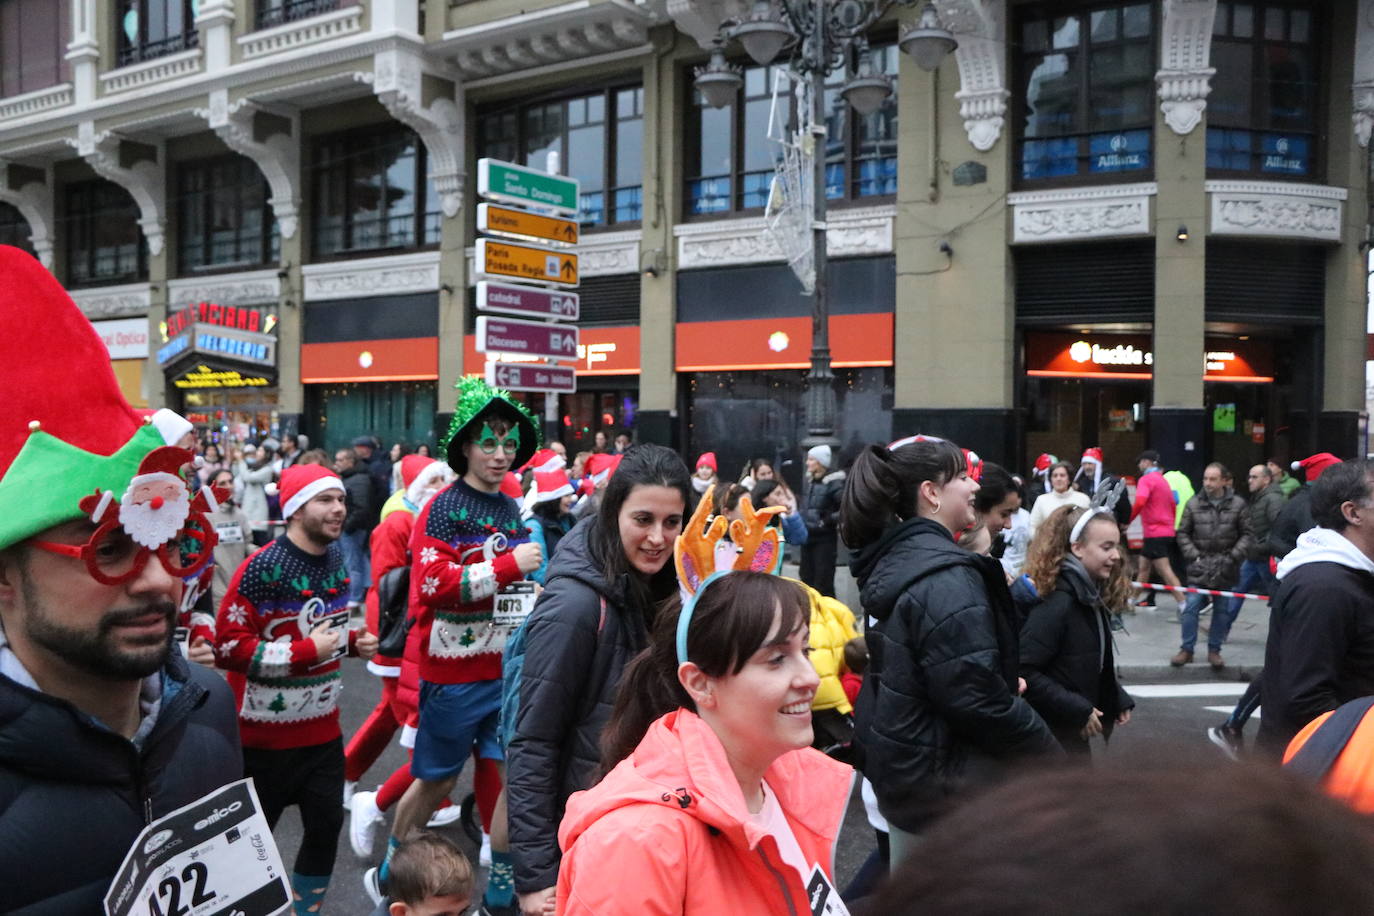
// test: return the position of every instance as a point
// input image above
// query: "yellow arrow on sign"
(510, 222)
(525, 262)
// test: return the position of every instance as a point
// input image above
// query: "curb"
(1191, 672)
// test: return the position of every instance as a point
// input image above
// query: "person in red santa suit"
(281, 631)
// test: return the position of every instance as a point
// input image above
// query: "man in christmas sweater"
(469, 543)
(281, 630)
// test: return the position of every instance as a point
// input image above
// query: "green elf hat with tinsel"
(66, 431)
(477, 399)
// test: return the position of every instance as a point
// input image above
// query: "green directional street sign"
(515, 184)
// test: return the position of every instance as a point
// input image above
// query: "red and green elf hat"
(66, 430)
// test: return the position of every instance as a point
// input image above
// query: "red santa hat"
(1094, 455)
(600, 467)
(431, 471)
(301, 483)
(1315, 465)
(411, 466)
(510, 485)
(1044, 461)
(546, 459)
(708, 459)
(548, 485)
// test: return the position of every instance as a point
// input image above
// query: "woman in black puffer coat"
(593, 617)
(940, 710)
(1067, 655)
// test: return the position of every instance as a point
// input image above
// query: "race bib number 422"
(213, 856)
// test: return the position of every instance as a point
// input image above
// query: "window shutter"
(1076, 284)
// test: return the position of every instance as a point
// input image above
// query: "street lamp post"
(824, 35)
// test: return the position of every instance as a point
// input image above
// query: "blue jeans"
(1223, 615)
(358, 562)
(1254, 574)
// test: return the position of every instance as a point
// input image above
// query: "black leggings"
(311, 778)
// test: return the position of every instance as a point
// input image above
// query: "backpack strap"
(1315, 758)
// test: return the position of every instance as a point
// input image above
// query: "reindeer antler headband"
(702, 554)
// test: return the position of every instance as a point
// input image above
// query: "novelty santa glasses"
(157, 516)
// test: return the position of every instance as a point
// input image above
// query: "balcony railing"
(279, 12)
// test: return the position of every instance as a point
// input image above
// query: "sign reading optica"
(524, 262)
(1130, 356)
(515, 184)
(520, 224)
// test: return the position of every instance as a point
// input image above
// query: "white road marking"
(1207, 689)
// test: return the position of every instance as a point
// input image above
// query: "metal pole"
(820, 381)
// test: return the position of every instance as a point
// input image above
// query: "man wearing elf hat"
(103, 723)
(468, 544)
(281, 630)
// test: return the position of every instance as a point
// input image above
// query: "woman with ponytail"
(1075, 561)
(940, 710)
(714, 801)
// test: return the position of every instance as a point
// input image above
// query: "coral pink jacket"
(667, 831)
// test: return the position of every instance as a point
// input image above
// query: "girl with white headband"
(1067, 655)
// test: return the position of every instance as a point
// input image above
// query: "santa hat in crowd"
(510, 485)
(1315, 465)
(301, 483)
(548, 485)
(546, 459)
(423, 474)
(707, 459)
(599, 467)
(1094, 455)
(56, 449)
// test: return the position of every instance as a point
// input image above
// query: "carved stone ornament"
(851, 233)
(701, 18)
(981, 29)
(607, 253)
(1276, 210)
(143, 180)
(387, 276)
(1185, 74)
(257, 287)
(1363, 87)
(33, 200)
(1081, 213)
(278, 157)
(114, 301)
(396, 78)
(571, 33)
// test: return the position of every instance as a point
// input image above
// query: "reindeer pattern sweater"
(286, 696)
(453, 584)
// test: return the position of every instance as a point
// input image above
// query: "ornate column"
(1184, 77)
(981, 56)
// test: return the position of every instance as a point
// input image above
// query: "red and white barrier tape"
(1215, 593)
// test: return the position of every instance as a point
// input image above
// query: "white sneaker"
(484, 855)
(363, 819)
(445, 816)
(370, 885)
(350, 786)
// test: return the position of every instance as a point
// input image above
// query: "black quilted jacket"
(939, 711)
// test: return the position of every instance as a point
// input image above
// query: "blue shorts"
(453, 718)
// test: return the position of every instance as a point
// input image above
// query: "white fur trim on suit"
(309, 492)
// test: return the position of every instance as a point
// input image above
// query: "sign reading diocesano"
(524, 262)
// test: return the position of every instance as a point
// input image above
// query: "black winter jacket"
(573, 663)
(1214, 538)
(74, 795)
(821, 506)
(358, 497)
(939, 709)
(1068, 661)
(1265, 508)
(1320, 652)
(1293, 520)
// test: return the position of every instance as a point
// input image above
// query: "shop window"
(1263, 112)
(104, 244)
(1085, 93)
(599, 139)
(280, 12)
(146, 29)
(223, 218)
(730, 158)
(371, 193)
(14, 229)
(33, 45)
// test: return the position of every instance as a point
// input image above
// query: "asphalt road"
(1168, 730)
